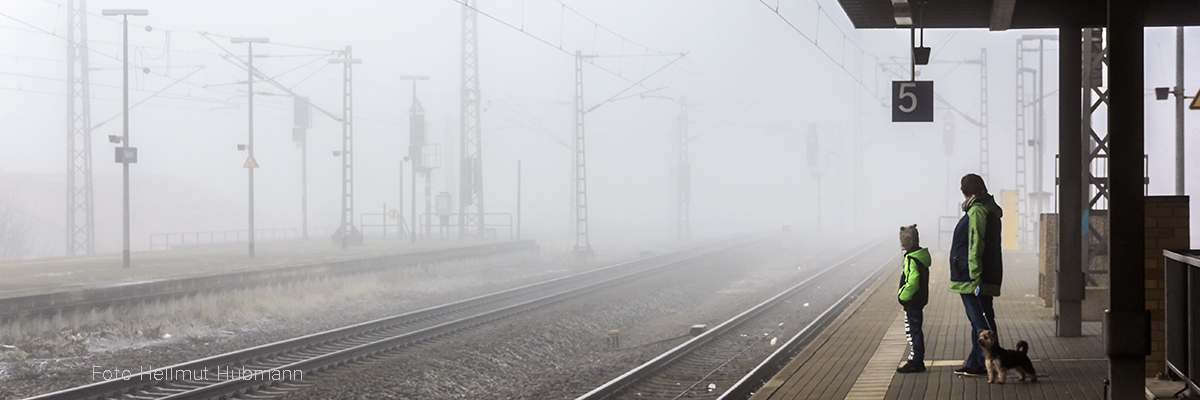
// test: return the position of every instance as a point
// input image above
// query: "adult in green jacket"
(976, 267)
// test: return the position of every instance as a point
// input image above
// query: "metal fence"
(163, 241)
(495, 225)
(946, 231)
(1182, 294)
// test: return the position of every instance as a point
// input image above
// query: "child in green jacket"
(913, 295)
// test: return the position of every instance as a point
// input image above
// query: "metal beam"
(1095, 159)
(1002, 14)
(1026, 14)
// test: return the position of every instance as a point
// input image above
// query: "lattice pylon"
(583, 245)
(470, 203)
(80, 212)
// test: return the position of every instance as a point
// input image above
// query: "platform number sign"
(912, 101)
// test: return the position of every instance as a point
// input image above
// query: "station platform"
(60, 274)
(856, 356)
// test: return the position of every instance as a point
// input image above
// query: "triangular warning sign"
(1195, 102)
(250, 163)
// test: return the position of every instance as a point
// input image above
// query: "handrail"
(1182, 309)
(219, 237)
(426, 218)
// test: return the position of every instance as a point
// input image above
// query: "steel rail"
(766, 370)
(313, 350)
(652, 367)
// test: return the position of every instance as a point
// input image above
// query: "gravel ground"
(561, 352)
(215, 324)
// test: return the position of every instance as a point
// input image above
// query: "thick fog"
(755, 82)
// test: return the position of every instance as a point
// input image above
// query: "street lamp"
(251, 163)
(413, 232)
(1164, 93)
(125, 154)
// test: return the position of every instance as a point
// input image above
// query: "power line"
(181, 97)
(813, 40)
(277, 43)
(597, 25)
(547, 43)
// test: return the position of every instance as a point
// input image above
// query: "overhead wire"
(546, 42)
(813, 40)
(165, 52)
(598, 26)
(650, 52)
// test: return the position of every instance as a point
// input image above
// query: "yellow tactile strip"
(873, 383)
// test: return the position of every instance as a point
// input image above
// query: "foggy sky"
(756, 85)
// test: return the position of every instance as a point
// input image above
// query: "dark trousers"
(983, 317)
(916, 337)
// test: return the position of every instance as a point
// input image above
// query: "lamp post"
(1162, 93)
(400, 208)
(125, 154)
(251, 163)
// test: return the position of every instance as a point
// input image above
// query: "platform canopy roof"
(1007, 14)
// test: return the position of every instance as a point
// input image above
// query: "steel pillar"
(348, 234)
(80, 211)
(302, 120)
(428, 202)
(250, 142)
(859, 173)
(1069, 282)
(1032, 202)
(983, 115)
(1179, 106)
(1126, 329)
(1020, 131)
(470, 197)
(583, 246)
(1095, 261)
(683, 224)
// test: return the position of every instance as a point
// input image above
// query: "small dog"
(1000, 360)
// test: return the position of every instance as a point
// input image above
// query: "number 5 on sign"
(912, 101)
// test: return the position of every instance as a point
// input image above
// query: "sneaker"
(972, 371)
(911, 366)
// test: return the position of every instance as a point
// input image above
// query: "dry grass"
(211, 314)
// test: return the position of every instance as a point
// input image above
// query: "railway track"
(282, 366)
(731, 360)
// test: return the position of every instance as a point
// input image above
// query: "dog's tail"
(1023, 347)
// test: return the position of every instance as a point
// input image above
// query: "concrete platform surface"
(857, 355)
